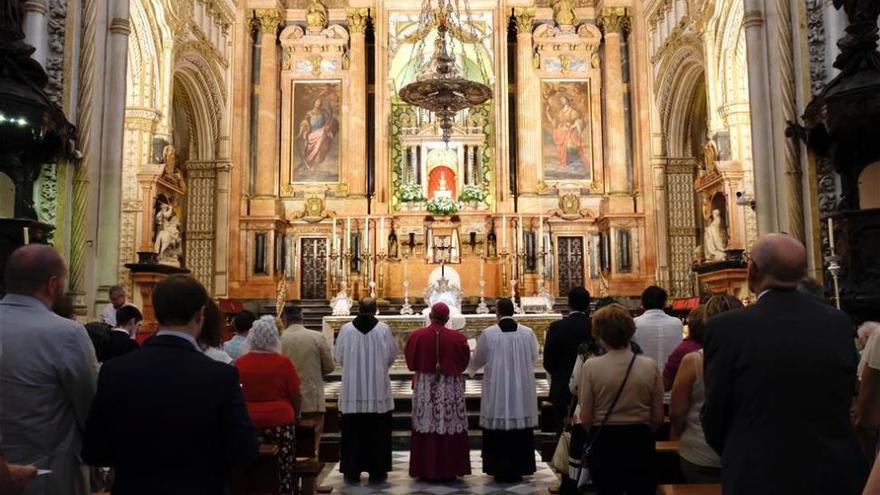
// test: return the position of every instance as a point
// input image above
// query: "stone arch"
(680, 82)
(731, 53)
(198, 83)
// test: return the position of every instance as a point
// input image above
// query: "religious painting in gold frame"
(315, 131)
(566, 130)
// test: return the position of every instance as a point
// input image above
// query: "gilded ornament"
(595, 61)
(570, 204)
(315, 60)
(316, 17)
(563, 13)
(357, 20)
(614, 20)
(525, 19)
(269, 20)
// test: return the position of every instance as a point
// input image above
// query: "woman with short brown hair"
(621, 404)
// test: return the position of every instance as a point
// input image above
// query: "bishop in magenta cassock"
(438, 356)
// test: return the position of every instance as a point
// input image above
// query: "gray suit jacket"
(48, 372)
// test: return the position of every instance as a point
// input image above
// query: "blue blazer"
(170, 420)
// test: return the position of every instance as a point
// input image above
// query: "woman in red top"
(271, 391)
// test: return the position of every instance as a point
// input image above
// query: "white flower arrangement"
(471, 192)
(410, 193)
(442, 206)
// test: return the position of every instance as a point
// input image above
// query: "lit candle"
(504, 232)
(482, 260)
(333, 246)
(382, 239)
(831, 233)
(348, 234)
(27, 235)
(519, 234)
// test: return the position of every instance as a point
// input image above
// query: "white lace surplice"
(438, 404)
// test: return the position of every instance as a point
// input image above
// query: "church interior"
(327, 151)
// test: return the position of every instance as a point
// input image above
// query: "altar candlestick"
(504, 233)
(519, 233)
(831, 233)
(367, 234)
(482, 261)
(382, 239)
(348, 234)
(541, 233)
(334, 234)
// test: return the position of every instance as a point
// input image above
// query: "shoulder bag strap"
(616, 397)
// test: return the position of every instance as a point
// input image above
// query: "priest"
(509, 404)
(438, 356)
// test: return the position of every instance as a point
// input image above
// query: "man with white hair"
(118, 299)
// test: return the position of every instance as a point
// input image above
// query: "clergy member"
(365, 349)
(509, 405)
(438, 356)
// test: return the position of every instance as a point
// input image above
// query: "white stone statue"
(167, 244)
(341, 303)
(715, 239)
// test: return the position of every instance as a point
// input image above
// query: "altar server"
(509, 405)
(438, 356)
(366, 349)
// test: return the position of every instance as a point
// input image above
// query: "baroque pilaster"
(614, 21)
(528, 115)
(357, 141)
(268, 20)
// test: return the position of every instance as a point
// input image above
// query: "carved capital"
(525, 19)
(614, 20)
(357, 20)
(268, 20)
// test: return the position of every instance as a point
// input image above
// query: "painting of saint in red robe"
(566, 146)
(316, 124)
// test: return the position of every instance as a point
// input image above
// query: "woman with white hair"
(271, 390)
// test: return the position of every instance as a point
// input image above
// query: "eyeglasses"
(747, 257)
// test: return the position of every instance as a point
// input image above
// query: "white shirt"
(365, 360)
(509, 400)
(658, 334)
(218, 354)
(108, 316)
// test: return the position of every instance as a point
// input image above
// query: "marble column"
(36, 28)
(113, 127)
(528, 117)
(613, 20)
(762, 131)
(267, 138)
(357, 97)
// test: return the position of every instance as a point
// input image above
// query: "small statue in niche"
(172, 171)
(491, 244)
(316, 16)
(715, 238)
(392, 244)
(167, 243)
(563, 13)
(710, 154)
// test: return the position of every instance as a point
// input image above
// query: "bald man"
(779, 378)
(48, 373)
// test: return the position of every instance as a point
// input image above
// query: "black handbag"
(587, 457)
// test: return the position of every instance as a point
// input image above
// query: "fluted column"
(36, 28)
(528, 117)
(267, 138)
(357, 97)
(613, 20)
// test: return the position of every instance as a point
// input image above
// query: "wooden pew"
(261, 478)
(667, 463)
(308, 466)
(690, 489)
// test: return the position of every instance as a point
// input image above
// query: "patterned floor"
(403, 388)
(478, 483)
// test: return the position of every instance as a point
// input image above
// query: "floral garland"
(471, 192)
(442, 206)
(410, 193)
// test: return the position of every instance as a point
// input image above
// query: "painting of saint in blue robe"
(316, 124)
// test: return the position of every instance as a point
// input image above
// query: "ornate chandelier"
(439, 88)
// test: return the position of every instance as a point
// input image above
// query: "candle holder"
(521, 268)
(381, 288)
(334, 279)
(346, 269)
(834, 268)
(406, 309)
(516, 307)
(373, 289)
(482, 308)
(504, 254)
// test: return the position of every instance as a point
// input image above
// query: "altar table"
(403, 325)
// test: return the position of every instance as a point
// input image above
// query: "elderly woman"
(271, 391)
(699, 462)
(621, 403)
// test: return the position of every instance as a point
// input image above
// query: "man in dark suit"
(561, 348)
(780, 376)
(168, 418)
(121, 339)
